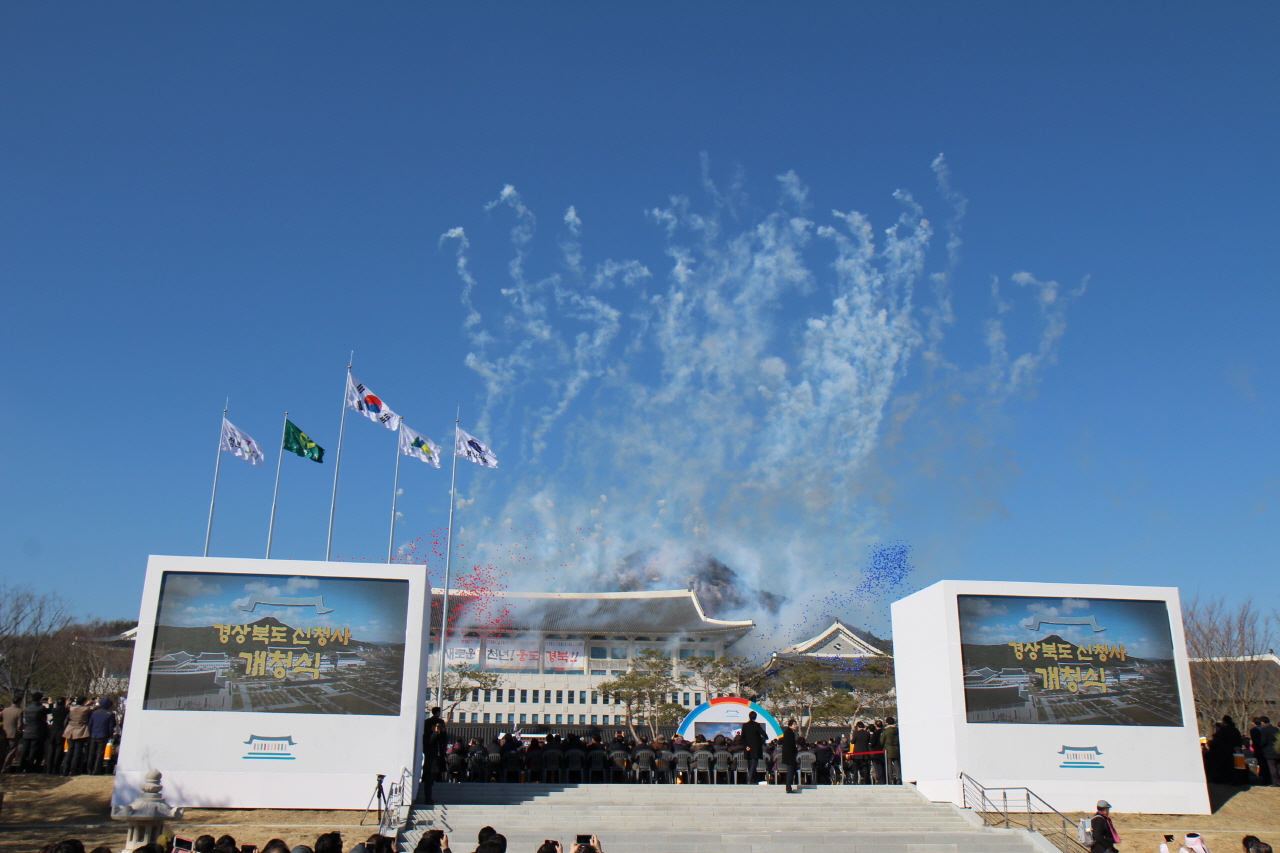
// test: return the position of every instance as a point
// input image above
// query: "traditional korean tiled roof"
(661, 612)
(838, 640)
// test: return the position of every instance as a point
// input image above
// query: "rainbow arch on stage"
(725, 716)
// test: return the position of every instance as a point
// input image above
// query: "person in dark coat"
(434, 744)
(822, 756)
(102, 728)
(35, 730)
(753, 740)
(1255, 739)
(861, 746)
(1222, 752)
(787, 756)
(1268, 734)
(53, 754)
(432, 720)
(1104, 832)
(892, 751)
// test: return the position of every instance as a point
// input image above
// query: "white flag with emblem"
(239, 443)
(369, 404)
(417, 445)
(468, 447)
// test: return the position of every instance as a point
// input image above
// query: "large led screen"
(1068, 661)
(275, 643)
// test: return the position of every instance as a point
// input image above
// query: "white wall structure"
(274, 683)
(553, 649)
(1078, 692)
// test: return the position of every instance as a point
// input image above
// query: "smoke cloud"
(746, 399)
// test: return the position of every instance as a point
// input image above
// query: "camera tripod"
(380, 796)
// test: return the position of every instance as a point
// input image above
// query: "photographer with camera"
(582, 844)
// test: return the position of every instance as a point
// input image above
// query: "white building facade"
(553, 649)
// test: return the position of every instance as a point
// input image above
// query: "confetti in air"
(744, 392)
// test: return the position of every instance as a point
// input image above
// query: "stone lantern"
(146, 815)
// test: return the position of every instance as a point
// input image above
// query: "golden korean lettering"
(255, 663)
(280, 662)
(1050, 677)
(304, 665)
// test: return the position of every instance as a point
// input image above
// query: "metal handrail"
(1054, 825)
(399, 799)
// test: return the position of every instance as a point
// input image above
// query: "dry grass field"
(41, 809)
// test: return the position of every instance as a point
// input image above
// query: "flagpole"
(337, 464)
(271, 528)
(448, 553)
(395, 490)
(208, 531)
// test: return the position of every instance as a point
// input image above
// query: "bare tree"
(701, 672)
(1228, 647)
(81, 654)
(460, 680)
(29, 625)
(628, 690)
(798, 689)
(656, 681)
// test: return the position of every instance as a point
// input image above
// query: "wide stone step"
(629, 796)
(707, 818)
(658, 816)
(763, 842)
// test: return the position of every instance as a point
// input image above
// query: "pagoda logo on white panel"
(1081, 758)
(277, 748)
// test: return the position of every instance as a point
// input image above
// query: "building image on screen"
(1068, 661)
(275, 643)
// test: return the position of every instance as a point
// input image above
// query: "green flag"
(300, 443)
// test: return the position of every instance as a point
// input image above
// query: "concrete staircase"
(710, 819)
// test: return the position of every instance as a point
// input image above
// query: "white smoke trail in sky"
(732, 403)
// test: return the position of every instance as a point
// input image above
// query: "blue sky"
(690, 351)
(374, 610)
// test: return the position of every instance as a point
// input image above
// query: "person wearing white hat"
(1105, 836)
(1193, 843)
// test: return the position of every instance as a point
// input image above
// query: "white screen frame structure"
(1137, 768)
(333, 760)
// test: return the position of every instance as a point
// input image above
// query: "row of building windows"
(620, 653)
(546, 719)
(573, 696)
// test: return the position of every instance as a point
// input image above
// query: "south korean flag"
(468, 447)
(369, 404)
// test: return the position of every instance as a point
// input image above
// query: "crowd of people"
(328, 842)
(67, 736)
(1104, 838)
(869, 757)
(1262, 743)
(488, 840)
